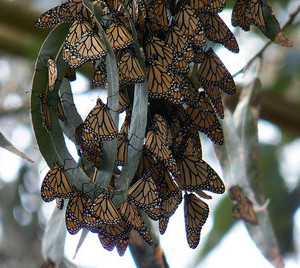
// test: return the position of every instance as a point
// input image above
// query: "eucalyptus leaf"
(4, 143)
(53, 242)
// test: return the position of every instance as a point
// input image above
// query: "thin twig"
(261, 51)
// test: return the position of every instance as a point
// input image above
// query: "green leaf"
(73, 118)
(52, 144)
(241, 167)
(54, 237)
(273, 29)
(4, 143)
(136, 137)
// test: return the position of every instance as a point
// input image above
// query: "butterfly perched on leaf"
(56, 184)
(243, 207)
(100, 123)
(74, 212)
(46, 118)
(66, 12)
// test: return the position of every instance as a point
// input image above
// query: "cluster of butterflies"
(177, 61)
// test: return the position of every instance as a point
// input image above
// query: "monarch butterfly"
(243, 208)
(170, 196)
(180, 90)
(108, 242)
(52, 73)
(103, 210)
(208, 6)
(66, 12)
(82, 44)
(132, 216)
(122, 245)
(100, 75)
(74, 212)
(218, 32)
(60, 110)
(159, 80)
(147, 163)
(176, 39)
(156, 144)
(143, 192)
(213, 72)
(214, 95)
(255, 15)
(206, 120)
(188, 54)
(70, 74)
(158, 12)
(130, 68)
(157, 49)
(46, 118)
(180, 66)
(90, 146)
(239, 17)
(116, 234)
(56, 184)
(203, 194)
(123, 142)
(195, 214)
(198, 39)
(99, 122)
(118, 35)
(187, 21)
(124, 102)
(196, 174)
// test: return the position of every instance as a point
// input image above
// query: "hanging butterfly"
(65, 13)
(100, 75)
(123, 142)
(205, 118)
(255, 14)
(187, 21)
(159, 13)
(213, 72)
(101, 211)
(239, 17)
(243, 207)
(157, 49)
(143, 192)
(130, 68)
(133, 217)
(176, 39)
(208, 6)
(196, 174)
(159, 80)
(56, 184)
(60, 111)
(90, 146)
(217, 31)
(74, 212)
(99, 123)
(52, 73)
(46, 118)
(124, 102)
(82, 44)
(118, 35)
(195, 214)
(115, 235)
